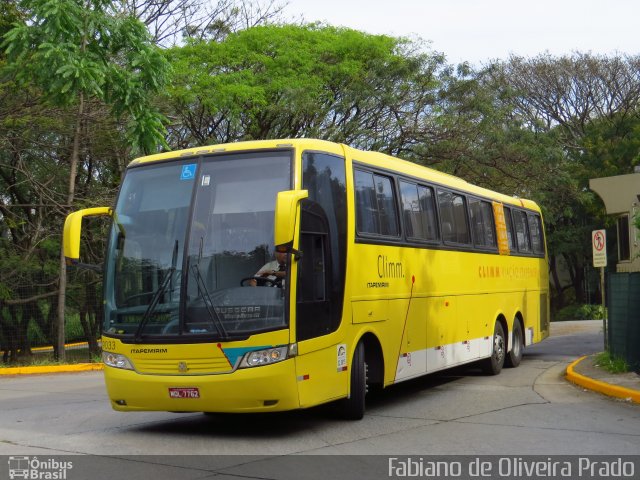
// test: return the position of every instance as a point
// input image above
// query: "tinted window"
(535, 228)
(375, 205)
(418, 210)
(323, 240)
(624, 251)
(509, 223)
(453, 214)
(482, 226)
(522, 232)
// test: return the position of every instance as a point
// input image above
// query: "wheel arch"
(500, 318)
(374, 358)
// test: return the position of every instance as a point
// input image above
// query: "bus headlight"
(268, 356)
(116, 360)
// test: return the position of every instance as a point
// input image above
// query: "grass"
(610, 363)
(38, 359)
(580, 312)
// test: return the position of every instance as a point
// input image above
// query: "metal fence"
(623, 301)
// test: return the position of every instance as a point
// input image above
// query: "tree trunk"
(73, 171)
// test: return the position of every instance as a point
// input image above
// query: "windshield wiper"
(166, 281)
(214, 318)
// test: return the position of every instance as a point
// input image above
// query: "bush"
(580, 312)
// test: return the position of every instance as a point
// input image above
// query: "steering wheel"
(262, 281)
(171, 327)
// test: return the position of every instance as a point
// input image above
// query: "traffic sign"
(599, 244)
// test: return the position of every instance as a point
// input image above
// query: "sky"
(478, 31)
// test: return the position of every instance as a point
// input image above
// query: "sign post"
(599, 244)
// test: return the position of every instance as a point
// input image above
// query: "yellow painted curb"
(50, 349)
(598, 386)
(76, 367)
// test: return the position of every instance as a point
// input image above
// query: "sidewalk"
(585, 373)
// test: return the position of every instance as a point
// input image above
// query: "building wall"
(621, 196)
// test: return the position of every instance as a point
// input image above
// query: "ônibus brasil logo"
(35, 469)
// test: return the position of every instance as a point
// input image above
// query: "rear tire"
(517, 349)
(353, 406)
(493, 365)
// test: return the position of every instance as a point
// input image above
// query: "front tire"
(493, 365)
(353, 406)
(517, 349)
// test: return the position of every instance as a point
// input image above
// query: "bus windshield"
(185, 238)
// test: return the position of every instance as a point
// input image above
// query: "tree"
(26, 271)
(589, 106)
(481, 138)
(371, 91)
(82, 51)
(171, 21)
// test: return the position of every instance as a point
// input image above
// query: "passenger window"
(482, 224)
(418, 211)
(522, 231)
(375, 205)
(453, 215)
(509, 223)
(535, 228)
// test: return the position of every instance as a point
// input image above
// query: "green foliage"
(580, 312)
(73, 330)
(78, 81)
(610, 363)
(289, 81)
(538, 128)
(69, 48)
(611, 145)
(8, 15)
(588, 109)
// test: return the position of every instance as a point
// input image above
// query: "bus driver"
(274, 271)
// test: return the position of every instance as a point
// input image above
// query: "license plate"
(190, 392)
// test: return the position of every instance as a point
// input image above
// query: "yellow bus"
(283, 274)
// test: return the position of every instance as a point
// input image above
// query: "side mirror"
(284, 224)
(73, 229)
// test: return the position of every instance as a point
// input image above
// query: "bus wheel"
(493, 364)
(353, 406)
(517, 349)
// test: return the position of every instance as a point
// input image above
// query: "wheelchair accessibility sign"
(188, 171)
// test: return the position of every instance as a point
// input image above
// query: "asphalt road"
(530, 410)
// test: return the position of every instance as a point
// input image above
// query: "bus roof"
(377, 159)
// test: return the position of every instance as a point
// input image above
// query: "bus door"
(322, 361)
(321, 364)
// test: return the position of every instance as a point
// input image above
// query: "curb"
(67, 368)
(77, 367)
(598, 386)
(66, 347)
